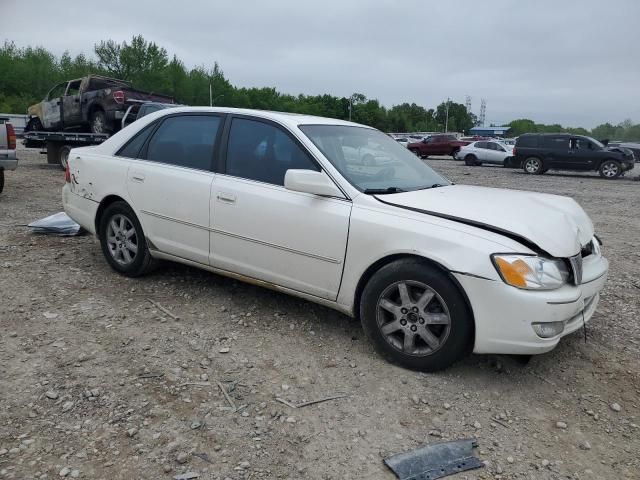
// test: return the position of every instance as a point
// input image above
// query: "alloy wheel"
(609, 170)
(413, 318)
(532, 165)
(122, 239)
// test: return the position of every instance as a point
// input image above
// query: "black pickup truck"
(538, 152)
(93, 103)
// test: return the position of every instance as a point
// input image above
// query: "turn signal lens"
(548, 329)
(531, 272)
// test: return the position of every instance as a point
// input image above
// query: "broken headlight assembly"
(531, 272)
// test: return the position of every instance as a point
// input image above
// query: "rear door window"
(185, 141)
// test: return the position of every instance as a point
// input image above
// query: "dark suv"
(538, 152)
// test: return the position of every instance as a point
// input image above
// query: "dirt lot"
(97, 382)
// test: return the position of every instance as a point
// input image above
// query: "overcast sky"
(556, 61)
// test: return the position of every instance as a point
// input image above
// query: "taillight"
(119, 97)
(11, 136)
(67, 173)
(514, 151)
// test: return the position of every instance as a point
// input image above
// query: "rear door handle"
(226, 197)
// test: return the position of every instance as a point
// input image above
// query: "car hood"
(555, 224)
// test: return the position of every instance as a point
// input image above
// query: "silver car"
(485, 151)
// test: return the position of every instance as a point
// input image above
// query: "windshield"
(370, 160)
(596, 142)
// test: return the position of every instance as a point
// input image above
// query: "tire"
(415, 152)
(404, 336)
(470, 160)
(99, 123)
(63, 156)
(533, 166)
(610, 169)
(1, 179)
(124, 219)
(454, 152)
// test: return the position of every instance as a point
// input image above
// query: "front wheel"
(415, 316)
(123, 242)
(533, 166)
(610, 169)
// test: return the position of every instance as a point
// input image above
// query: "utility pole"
(446, 122)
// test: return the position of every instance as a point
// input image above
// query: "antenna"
(483, 112)
(467, 103)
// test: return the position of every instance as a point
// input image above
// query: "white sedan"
(485, 151)
(433, 270)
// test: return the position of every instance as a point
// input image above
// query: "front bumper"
(504, 315)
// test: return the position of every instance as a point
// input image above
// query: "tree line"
(27, 74)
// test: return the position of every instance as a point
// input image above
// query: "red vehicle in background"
(437, 145)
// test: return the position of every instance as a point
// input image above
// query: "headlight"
(531, 272)
(597, 249)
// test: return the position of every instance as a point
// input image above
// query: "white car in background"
(485, 151)
(432, 270)
(404, 141)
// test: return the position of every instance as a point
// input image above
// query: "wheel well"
(370, 272)
(93, 108)
(106, 201)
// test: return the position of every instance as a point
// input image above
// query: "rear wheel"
(415, 316)
(533, 166)
(610, 169)
(99, 123)
(454, 152)
(123, 242)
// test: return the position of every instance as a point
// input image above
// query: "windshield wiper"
(382, 191)
(435, 185)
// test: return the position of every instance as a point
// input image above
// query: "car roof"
(289, 119)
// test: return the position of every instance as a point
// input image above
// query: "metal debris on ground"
(57, 224)
(435, 460)
(186, 476)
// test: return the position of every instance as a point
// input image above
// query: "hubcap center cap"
(412, 317)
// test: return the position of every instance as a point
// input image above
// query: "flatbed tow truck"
(57, 145)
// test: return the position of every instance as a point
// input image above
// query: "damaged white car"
(432, 269)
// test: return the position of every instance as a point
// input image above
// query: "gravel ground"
(98, 382)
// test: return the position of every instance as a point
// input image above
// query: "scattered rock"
(446, 406)
(510, 459)
(186, 476)
(182, 458)
(64, 472)
(545, 462)
(477, 425)
(50, 316)
(66, 406)
(291, 420)
(585, 445)
(561, 425)
(224, 350)
(615, 407)
(51, 394)
(75, 473)
(132, 432)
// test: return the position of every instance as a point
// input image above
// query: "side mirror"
(310, 181)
